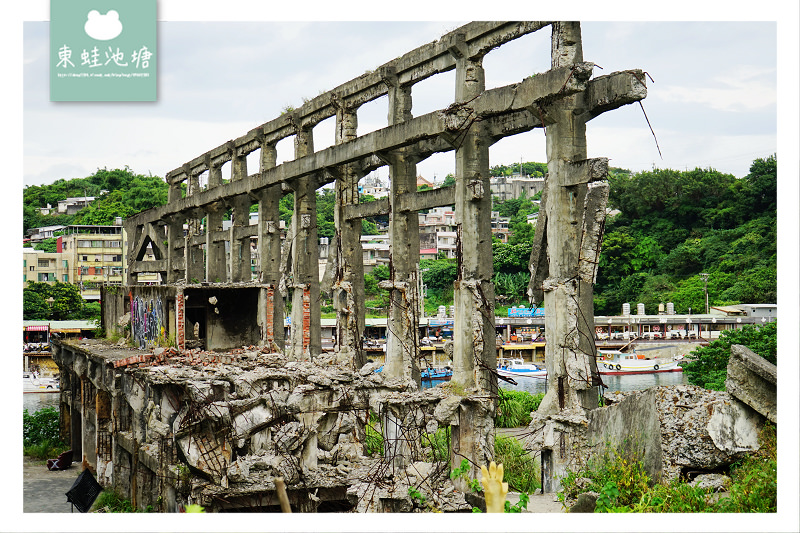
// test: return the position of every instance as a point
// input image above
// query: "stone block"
(753, 380)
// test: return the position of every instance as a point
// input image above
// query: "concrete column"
(175, 254)
(240, 248)
(193, 255)
(348, 287)
(216, 270)
(569, 322)
(269, 253)
(402, 348)
(473, 329)
(306, 332)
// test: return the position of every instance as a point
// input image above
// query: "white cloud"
(746, 89)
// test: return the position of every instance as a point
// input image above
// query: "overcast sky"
(713, 102)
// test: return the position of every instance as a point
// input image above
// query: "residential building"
(96, 256)
(510, 187)
(500, 226)
(44, 266)
(70, 206)
(45, 232)
(375, 251)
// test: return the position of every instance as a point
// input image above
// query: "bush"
(520, 470)
(617, 475)
(373, 441)
(438, 444)
(40, 434)
(623, 486)
(515, 407)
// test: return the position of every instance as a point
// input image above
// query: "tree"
(47, 245)
(708, 366)
(67, 302)
(34, 307)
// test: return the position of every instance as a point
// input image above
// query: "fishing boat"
(31, 382)
(618, 363)
(517, 367)
(436, 373)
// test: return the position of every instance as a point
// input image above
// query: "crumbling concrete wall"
(216, 429)
(673, 430)
(754, 381)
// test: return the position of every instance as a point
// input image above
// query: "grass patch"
(520, 469)
(109, 501)
(514, 408)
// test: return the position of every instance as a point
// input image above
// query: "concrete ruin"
(199, 424)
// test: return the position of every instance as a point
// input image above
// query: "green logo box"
(103, 51)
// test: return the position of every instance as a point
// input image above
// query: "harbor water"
(629, 382)
(33, 401)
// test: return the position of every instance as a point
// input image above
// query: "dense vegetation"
(674, 225)
(128, 193)
(708, 365)
(66, 304)
(40, 437)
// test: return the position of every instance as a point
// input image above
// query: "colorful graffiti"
(147, 320)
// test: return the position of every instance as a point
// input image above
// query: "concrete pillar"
(305, 336)
(473, 329)
(216, 270)
(348, 287)
(269, 253)
(239, 257)
(402, 347)
(175, 254)
(569, 322)
(193, 255)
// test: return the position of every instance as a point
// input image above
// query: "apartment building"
(95, 255)
(44, 266)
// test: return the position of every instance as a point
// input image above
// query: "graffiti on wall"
(147, 320)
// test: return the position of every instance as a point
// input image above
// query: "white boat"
(619, 363)
(31, 382)
(517, 367)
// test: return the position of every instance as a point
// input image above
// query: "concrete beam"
(532, 93)
(410, 68)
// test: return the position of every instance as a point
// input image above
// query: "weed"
(521, 471)
(515, 407)
(373, 442)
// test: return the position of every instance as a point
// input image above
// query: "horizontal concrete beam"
(368, 209)
(529, 93)
(159, 265)
(421, 63)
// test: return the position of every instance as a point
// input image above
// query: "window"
(84, 244)
(84, 258)
(66, 278)
(84, 271)
(32, 268)
(24, 263)
(66, 263)
(97, 244)
(116, 244)
(45, 276)
(44, 263)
